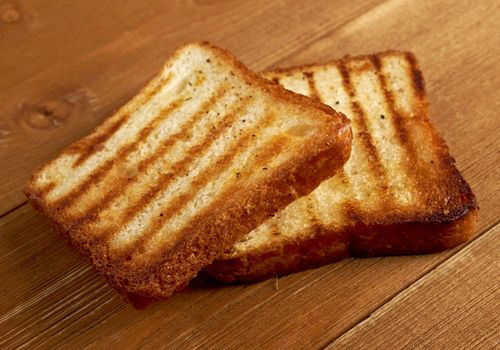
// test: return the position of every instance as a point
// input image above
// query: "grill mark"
(417, 76)
(146, 163)
(123, 152)
(150, 94)
(182, 134)
(182, 165)
(360, 67)
(346, 183)
(363, 134)
(216, 168)
(272, 149)
(92, 145)
(418, 85)
(398, 121)
(178, 167)
(400, 125)
(369, 147)
(269, 151)
(313, 91)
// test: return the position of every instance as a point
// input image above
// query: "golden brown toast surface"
(399, 193)
(201, 156)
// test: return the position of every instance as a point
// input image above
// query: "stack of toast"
(248, 176)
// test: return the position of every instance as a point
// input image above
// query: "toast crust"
(386, 232)
(323, 246)
(234, 212)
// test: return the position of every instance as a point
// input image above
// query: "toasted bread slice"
(399, 193)
(201, 156)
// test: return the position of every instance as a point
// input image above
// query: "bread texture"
(205, 153)
(399, 193)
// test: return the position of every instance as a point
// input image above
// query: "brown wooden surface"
(418, 318)
(66, 66)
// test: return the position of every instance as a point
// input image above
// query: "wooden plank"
(51, 296)
(456, 306)
(67, 67)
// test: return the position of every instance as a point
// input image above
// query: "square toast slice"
(200, 157)
(399, 193)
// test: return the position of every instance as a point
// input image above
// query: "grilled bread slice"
(399, 193)
(201, 156)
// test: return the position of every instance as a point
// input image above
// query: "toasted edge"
(328, 246)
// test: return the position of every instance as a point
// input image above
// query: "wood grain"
(456, 306)
(67, 67)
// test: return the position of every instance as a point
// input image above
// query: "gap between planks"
(13, 209)
(355, 16)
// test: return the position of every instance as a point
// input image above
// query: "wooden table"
(65, 66)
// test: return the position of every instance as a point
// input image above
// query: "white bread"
(200, 157)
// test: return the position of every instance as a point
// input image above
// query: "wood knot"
(48, 114)
(53, 112)
(10, 14)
